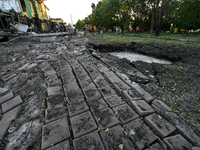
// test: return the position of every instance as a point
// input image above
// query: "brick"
(11, 104)
(125, 113)
(107, 91)
(55, 113)
(142, 108)
(114, 100)
(82, 124)
(97, 104)
(105, 118)
(177, 142)
(131, 95)
(54, 90)
(121, 86)
(91, 93)
(3, 91)
(89, 141)
(160, 107)
(114, 137)
(6, 97)
(55, 101)
(61, 146)
(141, 135)
(77, 108)
(8, 77)
(55, 132)
(162, 127)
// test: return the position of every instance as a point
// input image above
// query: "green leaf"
(121, 146)
(159, 116)
(132, 132)
(107, 130)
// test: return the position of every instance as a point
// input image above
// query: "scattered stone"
(82, 124)
(131, 95)
(160, 107)
(11, 104)
(114, 139)
(55, 101)
(55, 132)
(89, 141)
(142, 108)
(6, 97)
(77, 108)
(114, 100)
(8, 77)
(97, 104)
(105, 118)
(125, 113)
(141, 135)
(3, 91)
(54, 90)
(177, 142)
(162, 127)
(61, 146)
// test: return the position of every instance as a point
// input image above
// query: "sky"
(79, 9)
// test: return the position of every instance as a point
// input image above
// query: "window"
(23, 6)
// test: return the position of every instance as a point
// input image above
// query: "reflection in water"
(138, 57)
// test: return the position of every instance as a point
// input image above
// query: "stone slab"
(3, 91)
(50, 72)
(87, 84)
(55, 113)
(114, 138)
(11, 104)
(77, 108)
(71, 86)
(97, 104)
(125, 113)
(121, 86)
(54, 90)
(141, 135)
(74, 96)
(55, 101)
(82, 124)
(67, 78)
(44, 65)
(114, 100)
(51, 78)
(100, 82)
(3, 129)
(155, 147)
(105, 118)
(55, 132)
(177, 142)
(102, 68)
(91, 93)
(162, 127)
(6, 97)
(131, 95)
(32, 66)
(195, 148)
(56, 82)
(63, 64)
(61, 146)
(88, 142)
(107, 91)
(8, 77)
(160, 107)
(142, 108)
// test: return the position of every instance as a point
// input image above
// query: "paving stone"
(177, 142)
(114, 138)
(31, 66)
(71, 86)
(162, 127)
(160, 107)
(48, 73)
(77, 108)
(102, 68)
(121, 86)
(47, 69)
(141, 135)
(55, 113)
(10, 115)
(142, 108)
(195, 148)
(82, 124)
(54, 90)
(107, 91)
(87, 84)
(74, 96)
(82, 77)
(63, 64)
(182, 128)
(56, 82)
(131, 95)
(90, 141)
(55, 101)
(125, 113)
(66, 56)
(6, 97)
(11, 104)
(51, 78)
(3, 91)
(105, 118)
(3, 129)
(91, 93)
(155, 147)
(137, 74)
(100, 82)
(61, 146)
(55, 132)
(8, 77)
(67, 78)
(114, 100)
(97, 104)
(112, 77)
(45, 65)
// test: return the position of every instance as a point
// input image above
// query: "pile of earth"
(176, 84)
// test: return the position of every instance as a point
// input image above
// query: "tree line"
(149, 15)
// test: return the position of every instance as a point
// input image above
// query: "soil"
(176, 84)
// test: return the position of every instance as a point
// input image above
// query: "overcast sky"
(63, 8)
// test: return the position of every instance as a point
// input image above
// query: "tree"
(69, 25)
(80, 24)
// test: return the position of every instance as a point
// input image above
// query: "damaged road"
(57, 93)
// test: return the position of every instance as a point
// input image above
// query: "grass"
(147, 38)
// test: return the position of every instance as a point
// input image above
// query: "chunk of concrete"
(160, 107)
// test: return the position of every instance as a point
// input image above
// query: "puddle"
(138, 57)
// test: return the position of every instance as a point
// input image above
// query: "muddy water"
(138, 57)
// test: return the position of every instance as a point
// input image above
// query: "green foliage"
(80, 24)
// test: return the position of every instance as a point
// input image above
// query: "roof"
(7, 5)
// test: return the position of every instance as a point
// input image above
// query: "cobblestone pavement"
(91, 107)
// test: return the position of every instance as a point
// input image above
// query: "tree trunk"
(152, 18)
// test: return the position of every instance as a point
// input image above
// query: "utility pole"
(71, 21)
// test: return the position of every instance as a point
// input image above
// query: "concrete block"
(6, 97)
